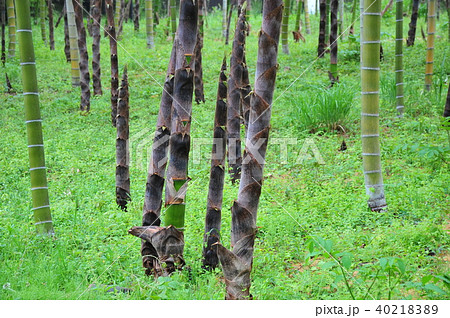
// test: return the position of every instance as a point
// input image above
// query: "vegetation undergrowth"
(316, 239)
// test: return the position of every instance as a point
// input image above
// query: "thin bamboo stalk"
(307, 19)
(333, 74)
(73, 41)
(38, 171)
(352, 30)
(431, 22)
(173, 17)
(224, 17)
(412, 25)
(66, 35)
(198, 72)
(3, 26)
(149, 23)
(85, 77)
(11, 28)
(341, 19)
(96, 69)
(322, 25)
(114, 60)
(136, 15)
(285, 27)
(399, 58)
(42, 11)
(51, 35)
(370, 104)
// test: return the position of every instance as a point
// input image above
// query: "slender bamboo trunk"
(85, 77)
(297, 35)
(136, 15)
(96, 69)
(448, 19)
(341, 19)
(149, 23)
(234, 100)
(73, 41)
(322, 46)
(237, 264)
(198, 73)
(230, 13)
(157, 169)
(51, 35)
(224, 17)
(42, 11)
(352, 30)
(114, 60)
(412, 25)
(67, 38)
(327, 21)
(118, 8)
(307, 19)
(285, 27)
(173, 17)
(3, 26)
(11, 28)
(399, 57)
(38, 176)
(213, 216)
(370, 86)
(431, 23)
(90, 19)
(333, 73)
(122, 152)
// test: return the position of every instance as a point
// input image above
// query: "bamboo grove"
(242, 108)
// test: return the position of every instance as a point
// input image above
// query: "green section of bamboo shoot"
(307, 19)
(370, 103)
(149, 23)
(399, 57)
(285, 27)
(430, 43)
(173, 17)
(352, 30)
(11, 28)
(42, 11)
(38, 176)
(73, 41)
(175, 212)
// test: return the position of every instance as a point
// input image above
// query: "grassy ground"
(305, 209)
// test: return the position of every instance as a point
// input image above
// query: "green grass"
(301, 204)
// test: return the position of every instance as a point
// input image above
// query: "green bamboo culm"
(149, 23)
(399, 57)
(327, 20)
(173, 17)
(38, 171)
(430, 43)
(11, 28)
(285, 27)
(42, 11)
(333, 74)
(370, 103)
(307, 19)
